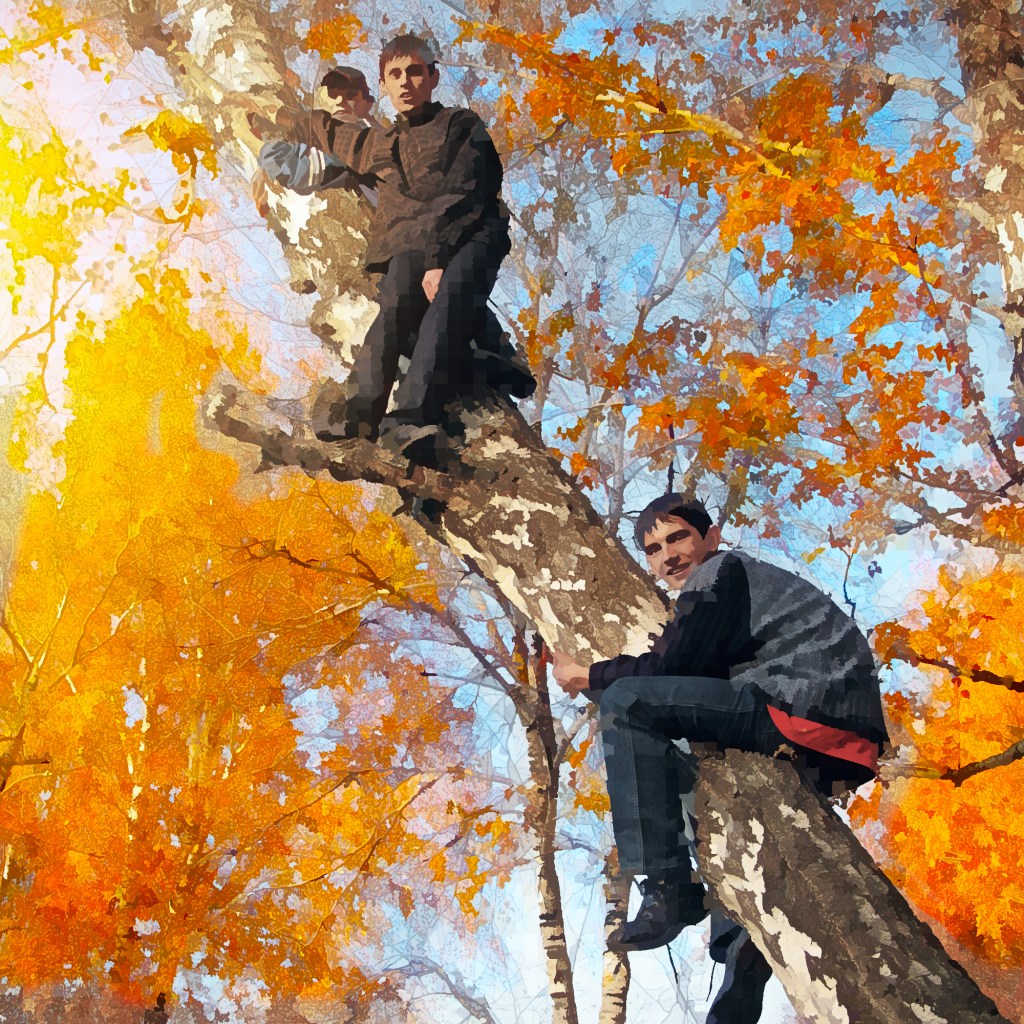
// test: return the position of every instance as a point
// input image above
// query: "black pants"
(434, 336)
(649, 776)
(650, 782)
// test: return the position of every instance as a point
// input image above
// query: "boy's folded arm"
(352, 143)
(308, 169)
(473, 177)
(322, 153)
(301, 167)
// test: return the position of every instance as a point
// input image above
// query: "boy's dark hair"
(689, 510)
(407, 45)
(346, 80)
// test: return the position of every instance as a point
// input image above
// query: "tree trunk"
(844, 943)
(838, 934)
(552, 928)
(615, 983)
(534, 708)
(990, 38)
(227, 56)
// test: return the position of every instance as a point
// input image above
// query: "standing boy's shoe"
(667, 908)
(428, 445)
(502, 370)
(401, 438)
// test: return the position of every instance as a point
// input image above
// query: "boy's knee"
(619, 697)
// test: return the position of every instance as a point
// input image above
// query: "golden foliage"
(188, 142)
(160, 810)
(339, 34)
(46, 205)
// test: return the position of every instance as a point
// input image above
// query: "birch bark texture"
(228, 59)
(533, 706)
(990, 50)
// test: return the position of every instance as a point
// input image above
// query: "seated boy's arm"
(702, 638)
(569, 674)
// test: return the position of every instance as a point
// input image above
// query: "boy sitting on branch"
(756, 658)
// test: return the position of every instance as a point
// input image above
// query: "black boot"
(667, 908)
(742, 993)
(431, 445)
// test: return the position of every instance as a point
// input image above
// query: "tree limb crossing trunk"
(844, 943)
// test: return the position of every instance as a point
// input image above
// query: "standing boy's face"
(408, 83)
(674, 549)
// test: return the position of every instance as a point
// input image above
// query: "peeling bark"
(839, 936)
(990, 39)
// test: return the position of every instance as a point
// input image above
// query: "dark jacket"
(740, 618)
(437, 175)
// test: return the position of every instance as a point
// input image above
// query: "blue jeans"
(650, 783)
(649, 776)
(434, 336)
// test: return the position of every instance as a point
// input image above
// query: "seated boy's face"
(408, 83)
(674, 548)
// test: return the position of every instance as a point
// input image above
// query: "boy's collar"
(421, 115)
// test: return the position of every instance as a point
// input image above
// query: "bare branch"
(280, 430)
(895, 769)
(586, 716)
(446, 619)
(902, 652)
(421, 966)
(1000, 760)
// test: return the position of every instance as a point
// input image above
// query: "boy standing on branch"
(756, 658)
(438, 235)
